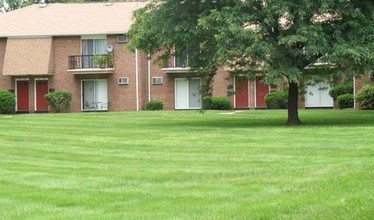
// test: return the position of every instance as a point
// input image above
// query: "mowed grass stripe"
(187, 165)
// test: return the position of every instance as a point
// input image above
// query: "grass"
(187, 165)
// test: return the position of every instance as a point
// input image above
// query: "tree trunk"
(293, 96)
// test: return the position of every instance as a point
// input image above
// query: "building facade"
(80, 48)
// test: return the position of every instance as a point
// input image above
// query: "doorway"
(22, 94)
(41, 89)
(95, 95)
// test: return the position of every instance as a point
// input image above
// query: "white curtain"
(92, 47)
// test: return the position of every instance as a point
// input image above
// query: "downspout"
(354, 92)
(137, 79)
(234, 87)
(149, 77)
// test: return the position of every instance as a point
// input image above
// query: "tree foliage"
(282, 39)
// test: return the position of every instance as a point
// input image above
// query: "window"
(91, 46)
(95, 95)
(187, 93)
(181, 59)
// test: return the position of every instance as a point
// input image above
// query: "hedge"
(342, 89)
(277, 100)
(365, 97)
(345, 101)
(216, 103)
(59, 101)
(155, 105)
(7, 102)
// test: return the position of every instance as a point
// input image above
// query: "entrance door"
(41, 90)
(187, 93)
(95, 95)
(241, 93)
(22, 95)
(317, 96)
(261, 91)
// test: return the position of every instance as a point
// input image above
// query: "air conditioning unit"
(156, 80)
(122, 39)
(123, 80)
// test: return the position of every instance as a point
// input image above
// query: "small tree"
(7, 102)
(59, 101)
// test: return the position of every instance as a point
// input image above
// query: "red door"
(241, 93)
(23, 96)
(41, 90)
(261, 91)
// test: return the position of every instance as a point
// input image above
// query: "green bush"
(155, 105)
(207, 103)
(277, 100)
(365, 97)
(345, 101)
(217, 103)
(7, 102)
(342, 89)
(59, 101)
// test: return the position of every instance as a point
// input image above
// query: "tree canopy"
(281, 39)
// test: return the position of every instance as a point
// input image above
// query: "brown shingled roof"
(69, 19)
(31, 56)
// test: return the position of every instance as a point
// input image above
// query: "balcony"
(176, 64)
(91, 64)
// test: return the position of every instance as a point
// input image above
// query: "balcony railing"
(176, 64)
(176, 61)
(102, 61)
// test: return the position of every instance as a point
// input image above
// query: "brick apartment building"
(54, 47)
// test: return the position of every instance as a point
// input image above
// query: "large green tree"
(164, 26)
(281, 39)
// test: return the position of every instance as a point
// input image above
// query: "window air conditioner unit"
(123, 80)
(122, 39)
(156, 80)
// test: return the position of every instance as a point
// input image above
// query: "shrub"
(155, 105)
(338, 90)
(7, 102)
(365, 97)
(345, 101)
(207, 103)
(277, 100)
(217, 103)
(59, 101)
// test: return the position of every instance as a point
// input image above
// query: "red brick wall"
(61, 79)
(223, 84)
(120, 97)
(165, 91)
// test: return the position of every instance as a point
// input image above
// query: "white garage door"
(317, 96)
(187, 93)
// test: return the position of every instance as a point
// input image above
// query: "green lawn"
(187, 165)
